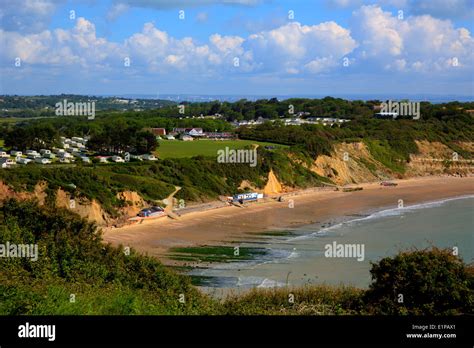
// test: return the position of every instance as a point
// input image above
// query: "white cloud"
(437, 8)
(293, 45)
(377, 41)
(377, 31)
(64, 47)
(420, 42)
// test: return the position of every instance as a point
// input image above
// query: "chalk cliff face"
(88, 209)
(435, 158)
(348, 164)
(353, 163)
(91, 210)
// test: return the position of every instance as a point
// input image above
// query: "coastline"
(227, 224)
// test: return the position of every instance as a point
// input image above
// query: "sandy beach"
(230, 223)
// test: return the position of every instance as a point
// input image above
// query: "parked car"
(16, 153)
(117, 159)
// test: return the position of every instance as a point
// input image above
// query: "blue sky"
(326, 47)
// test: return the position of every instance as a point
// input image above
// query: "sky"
(237, 47)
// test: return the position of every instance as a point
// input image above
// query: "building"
(6, 162)
(185, 137)
(148, 157)
(21, 160)
(194, 132)
(102, 159)
(219, 135)
(157, 131)
(42, 160)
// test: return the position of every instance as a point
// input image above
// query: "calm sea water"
(301, 259)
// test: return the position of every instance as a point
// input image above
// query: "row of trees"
(120, 137)
(35, 137)
(116, 137)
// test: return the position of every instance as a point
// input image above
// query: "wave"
(258, 282)
(380, 214)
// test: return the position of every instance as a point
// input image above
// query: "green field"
(180, 149)
(2, 142)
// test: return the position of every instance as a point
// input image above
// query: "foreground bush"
(73, 260)
(424, 282)
(105, 280)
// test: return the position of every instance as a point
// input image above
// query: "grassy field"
(180, 149)
(2, 142)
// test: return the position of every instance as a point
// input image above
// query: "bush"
(431, 282)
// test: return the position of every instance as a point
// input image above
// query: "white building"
(42, 160)
(6, 162)
(31, 152)
(185, 137)
(149, 157)
(21, 160)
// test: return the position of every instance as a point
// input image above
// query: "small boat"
(154, 211)
(388, 183)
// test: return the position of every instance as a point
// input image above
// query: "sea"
(303, 257)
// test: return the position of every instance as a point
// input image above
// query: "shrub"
(426, 282)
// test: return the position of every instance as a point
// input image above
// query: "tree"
(145, 142)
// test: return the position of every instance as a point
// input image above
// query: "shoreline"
(221, 225)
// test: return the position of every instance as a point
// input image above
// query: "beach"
(230, 223)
